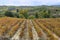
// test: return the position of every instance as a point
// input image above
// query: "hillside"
(52, 11)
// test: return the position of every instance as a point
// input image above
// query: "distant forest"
(30, 12)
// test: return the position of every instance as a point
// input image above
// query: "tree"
(36, 15)
(17, 15)
(9, 14)
(24, 13)
(17, 10)
(45, 14)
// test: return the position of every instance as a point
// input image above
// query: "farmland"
(29, 29)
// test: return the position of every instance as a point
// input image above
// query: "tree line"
(24, 13)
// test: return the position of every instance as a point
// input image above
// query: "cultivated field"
(27, 29)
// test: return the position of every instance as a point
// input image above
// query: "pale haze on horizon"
(29, 2)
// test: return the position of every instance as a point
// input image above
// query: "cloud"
(29, 2)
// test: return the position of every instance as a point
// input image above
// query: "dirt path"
(26, 36)
(16, 36)
(35, 36)
(25, 32)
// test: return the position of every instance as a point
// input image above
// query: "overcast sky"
(29, 2)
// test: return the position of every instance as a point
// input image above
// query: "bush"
(31, 17)
(21, 16)
(16, 15)
(11, 14)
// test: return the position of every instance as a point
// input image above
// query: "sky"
(29, 2)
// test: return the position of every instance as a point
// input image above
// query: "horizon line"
(26, 5)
